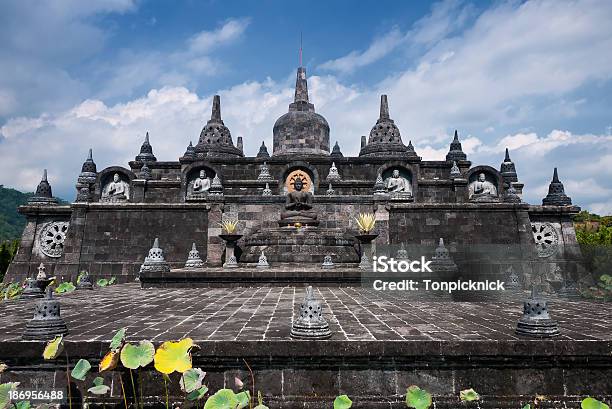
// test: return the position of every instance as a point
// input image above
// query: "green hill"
(11, 222)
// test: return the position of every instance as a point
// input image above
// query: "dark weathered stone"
(43, 195)
(215, 138)
(536, 321)
(556, 193)
(455, 153)
(301, 131)
(47, 322)
(146, 151)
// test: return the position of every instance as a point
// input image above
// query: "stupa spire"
(301, 86)
(384, 107)
(216, 109)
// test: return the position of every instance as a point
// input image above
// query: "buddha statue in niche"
(298, 207)
(202, 183)
(398, 184)
(116, 190)
(482, 189)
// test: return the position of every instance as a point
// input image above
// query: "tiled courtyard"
(265, 313)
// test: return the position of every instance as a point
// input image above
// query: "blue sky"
(533, 76)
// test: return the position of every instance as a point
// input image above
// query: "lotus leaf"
(54, 348)
(590, 403)
(417, 398)
(102, 282)
(243, 399)
(81, 369)
(342, 402)
(197, 394)
(223, 399)
(135, 356)
(24, 404)
(117, 340)
(192, 380)
(98, 387)
(64, 288)
(5, 388)
(174, 356)
(527, 406)
(109, 362)
(469, 395)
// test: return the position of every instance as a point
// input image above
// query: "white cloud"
(205, 41)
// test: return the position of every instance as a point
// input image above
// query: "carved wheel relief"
(52, 238)
(546, 239)
(308, 187)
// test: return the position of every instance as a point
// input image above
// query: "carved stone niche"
(199, 182)
(398, 183)
(115, 187)
(484, 185)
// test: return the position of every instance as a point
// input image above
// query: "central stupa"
(301, 130)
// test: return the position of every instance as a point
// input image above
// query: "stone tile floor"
(265, 313)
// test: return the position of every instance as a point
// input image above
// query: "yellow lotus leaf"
(109, 362)
(174, 356)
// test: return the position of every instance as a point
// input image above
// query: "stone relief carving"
(117, 190)
(546, 238)
(482, 189)
(52, 237)
(307, 185)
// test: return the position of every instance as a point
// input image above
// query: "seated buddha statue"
(482, 190)
(298, 207)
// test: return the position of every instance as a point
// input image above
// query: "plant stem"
(166, 386)
(134, 389)
(68, 379)
(140, 385)
(252, 384)
(123, 391)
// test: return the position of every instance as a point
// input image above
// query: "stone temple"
(119, 211)
(264, 262)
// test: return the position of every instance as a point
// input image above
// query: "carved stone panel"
(52, 237)
(546, 238)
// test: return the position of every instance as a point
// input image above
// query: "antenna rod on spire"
(300, 48)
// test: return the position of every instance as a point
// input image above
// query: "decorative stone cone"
(441, 262)
(85, 282)
(535, 321)
(327, 262)
(513, 282)
(155, 261)
(193, 259)
(32, 290)
(47, 322)
(263, 261)
(310, 324)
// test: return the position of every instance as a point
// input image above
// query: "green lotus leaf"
(98, 387)
(243, 399)
(192, 380)
(65, 288)
(197, 394)
(342, 402)
(81, 369)
(223, 399)
(102, 282)
(590, 403)
(117, 340)
(527, 406)
(135, 356)
(469, 395)
(417, 398)
(24, 404)
(5, 388)
(54, 348)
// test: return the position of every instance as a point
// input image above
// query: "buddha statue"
(117, 190)
(398, 186)
(202, 183)
(298, 207)
(482, 189)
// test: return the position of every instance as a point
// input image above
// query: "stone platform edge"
(592, 352)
